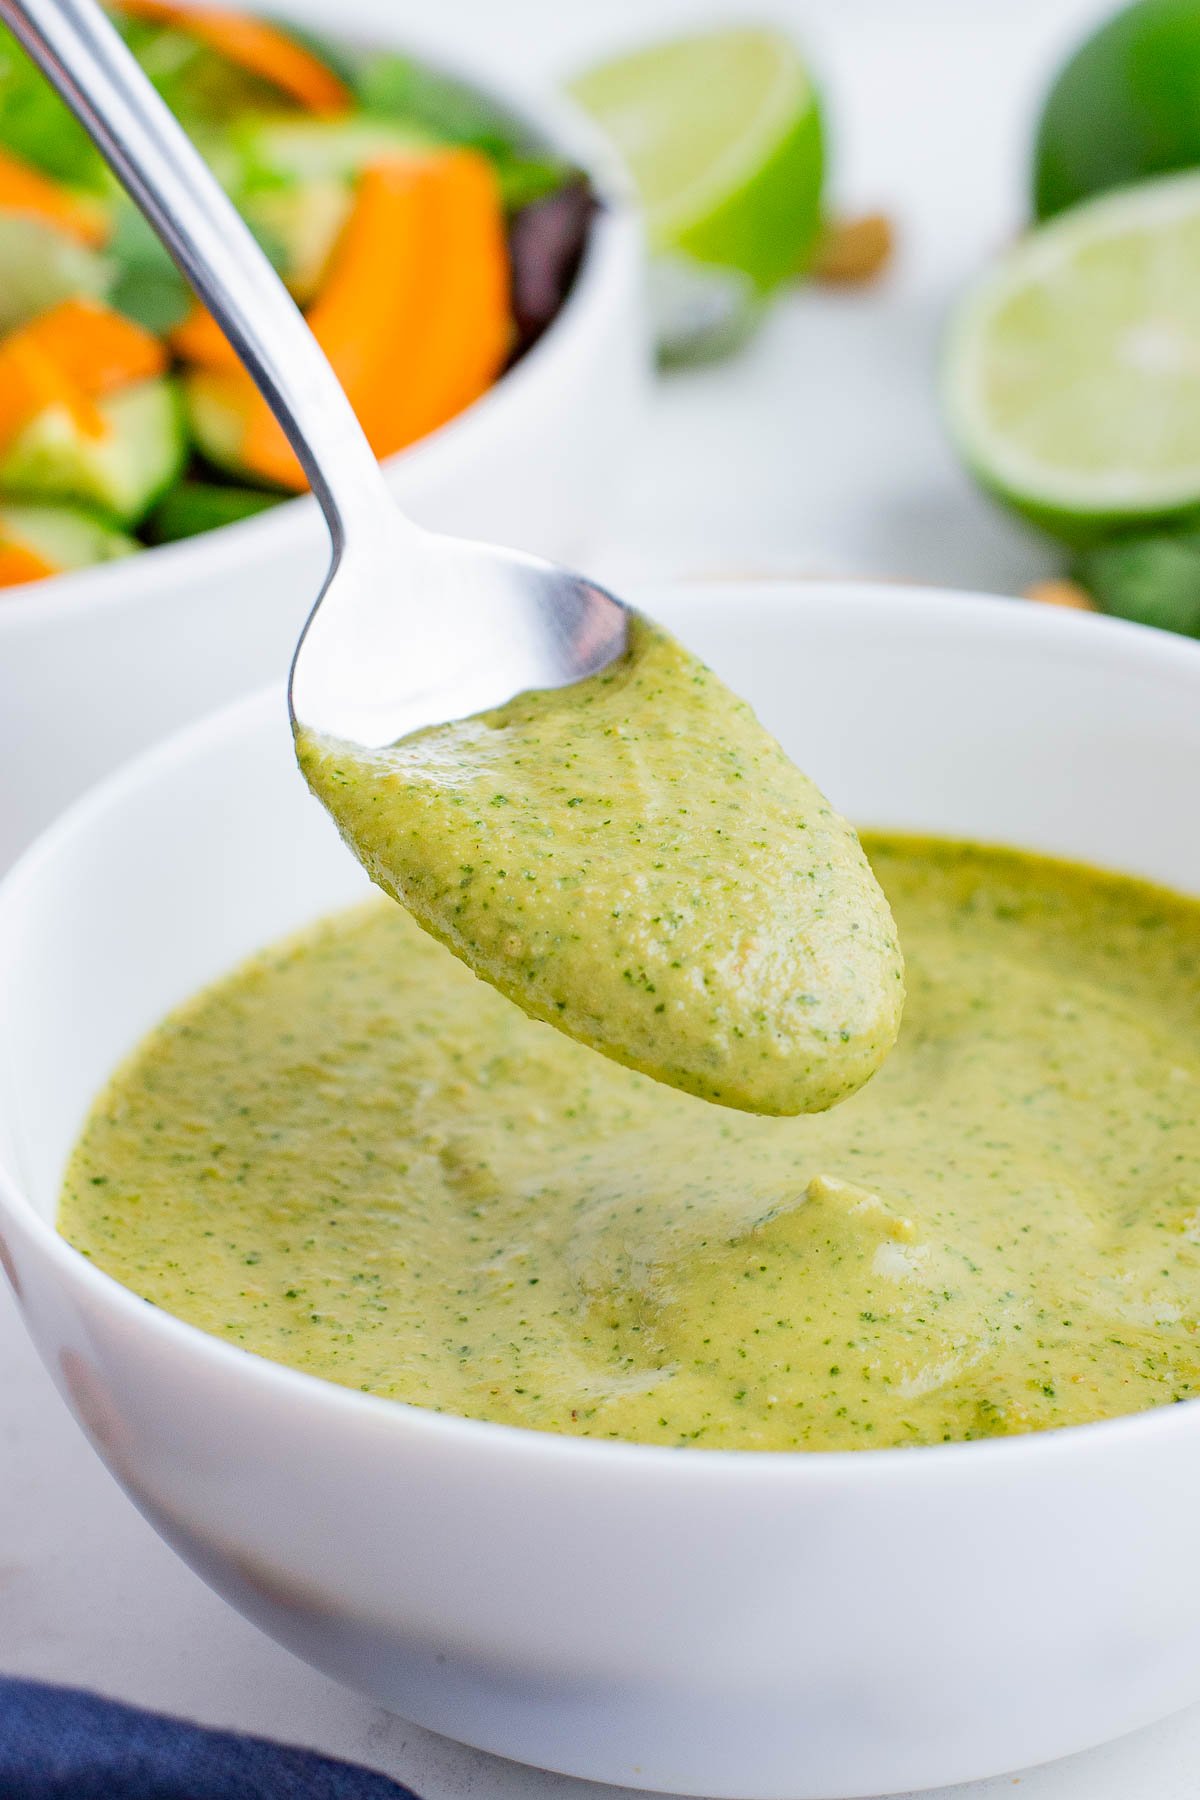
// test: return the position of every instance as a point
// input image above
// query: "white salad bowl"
(95, 665)
(783, 1626)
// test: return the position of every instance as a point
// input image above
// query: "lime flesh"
(1073, 372)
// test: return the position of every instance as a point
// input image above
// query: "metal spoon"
(410, 628)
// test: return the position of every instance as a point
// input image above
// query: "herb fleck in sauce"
(354, 1158)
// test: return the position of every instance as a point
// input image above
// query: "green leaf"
(36, 125)
(193, 507)
(526, 179)
(343, 59)
(399, 88)
(148, 286)
(1152, 579)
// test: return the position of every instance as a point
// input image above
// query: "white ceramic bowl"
(696, 1621)
(96, 665)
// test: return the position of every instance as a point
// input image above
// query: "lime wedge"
(1072, 380)
(722, 135)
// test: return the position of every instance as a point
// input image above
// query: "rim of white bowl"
(1068, 635)
(614, 234)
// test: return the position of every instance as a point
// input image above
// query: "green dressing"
(354, 1158)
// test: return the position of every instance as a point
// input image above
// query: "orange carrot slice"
(374, 270)
(25, 189)
(199, 339)
(469, 330)
(380, 287)
(96, 348)
(31, 381)
(19, 564)
(383, 277)
(414, 314)
(256, 46)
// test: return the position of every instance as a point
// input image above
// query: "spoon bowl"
(416, 629)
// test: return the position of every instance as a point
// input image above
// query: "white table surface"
(817, 449)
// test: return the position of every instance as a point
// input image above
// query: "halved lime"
(722, 134)
(1072, 380)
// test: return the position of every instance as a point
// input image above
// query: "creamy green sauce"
(635, 860)
(354, 1158)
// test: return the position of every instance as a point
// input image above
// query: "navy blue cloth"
(61, 1744)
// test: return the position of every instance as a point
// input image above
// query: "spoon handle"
(82, 54)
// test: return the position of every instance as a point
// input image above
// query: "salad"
(428, 240)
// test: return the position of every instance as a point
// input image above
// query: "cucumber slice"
(66, 537)
(286, 150)
(40, 266)
(193, 507)
(147, 287)
(121, 472)
(215, 426)
(303, 223)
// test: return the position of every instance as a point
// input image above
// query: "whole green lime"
(1125, 106)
